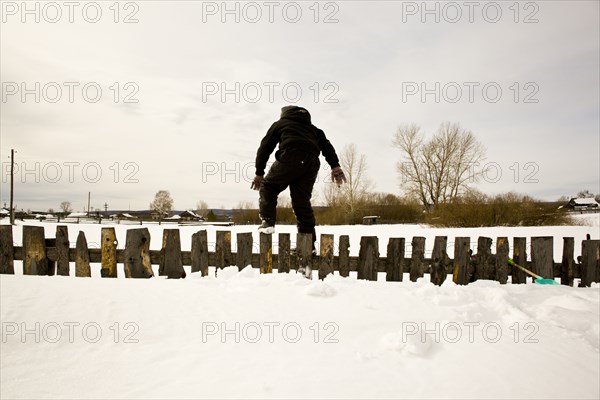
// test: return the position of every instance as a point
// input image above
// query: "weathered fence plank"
(7, 253)
(439, 260)
(462, 261)
(244, 250)
(137, 254)
(368, 258)
(502, 251)
(199, 253)
(304, 244)
(34, 250)
(82, 257)
(520, 258)
(62, 250)
(344, 256)
(109, 253)
(223, 249)
(395, 255)
(484, 260)
(567, 272)
(283, 256)
(326, 253)
(266, 253)
(590, 262)
(417, 265)
(171, 263)
(542, 262)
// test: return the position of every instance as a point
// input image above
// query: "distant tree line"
(436, 180)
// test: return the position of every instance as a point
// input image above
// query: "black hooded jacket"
(294, 132)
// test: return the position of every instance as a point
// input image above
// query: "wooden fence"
(52, 256)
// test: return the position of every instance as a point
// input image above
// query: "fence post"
(395, 255)
(137, 254)
(484, 260)
(439, 260)
(590, 262)
(567, 272)
(109, 253)
(34, 251)
(417, 258)
(244, 250)
(7, 250)
(368, 258)
(304, 243)
(223, 249)
(344, 256)
(283, 256)
(199, 253)
(462, 261)
(519, 257)
(171, 263)
(62, 250)
(326, 252)
(542, 260)
(266, 253)
(502, 260)
(82, 257)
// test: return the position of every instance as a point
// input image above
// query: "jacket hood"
(295, 113)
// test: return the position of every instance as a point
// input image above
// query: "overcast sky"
(188, 92)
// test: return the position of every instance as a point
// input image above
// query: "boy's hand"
(337, 175)
(257, 182)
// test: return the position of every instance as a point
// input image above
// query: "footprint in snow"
(320, 289)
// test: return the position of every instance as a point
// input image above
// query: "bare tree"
(202, 207)
(163, 203)
(585, 194)
(66, 208)
(353, 194)
(440, 169)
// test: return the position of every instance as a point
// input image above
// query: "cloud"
(159, 109)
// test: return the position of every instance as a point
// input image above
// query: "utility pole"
(12, 185)
(89, 195)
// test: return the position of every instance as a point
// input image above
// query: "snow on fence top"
(49, 256)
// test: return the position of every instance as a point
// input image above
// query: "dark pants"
(298, 170)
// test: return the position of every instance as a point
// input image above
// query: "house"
(123, 216)
(588, 204)
(189, 215)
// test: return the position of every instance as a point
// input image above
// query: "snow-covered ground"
(242, 334)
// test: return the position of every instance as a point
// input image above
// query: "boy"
(297, 164)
